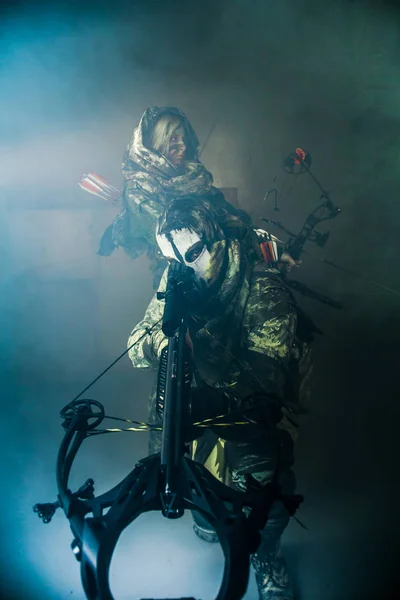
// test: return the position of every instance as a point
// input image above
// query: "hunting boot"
(272, 578)
(203, 529)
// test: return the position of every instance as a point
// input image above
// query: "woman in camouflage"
(250, 353)
(161, 164)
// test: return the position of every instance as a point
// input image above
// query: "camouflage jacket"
(267, 355)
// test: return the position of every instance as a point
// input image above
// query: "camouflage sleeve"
(269, 339)
(271, 319)
(148, 345)
(143, 198)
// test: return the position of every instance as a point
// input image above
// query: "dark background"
(264, 77)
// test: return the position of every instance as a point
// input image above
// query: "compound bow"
(295, 164)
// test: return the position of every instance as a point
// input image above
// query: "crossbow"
(168, 481)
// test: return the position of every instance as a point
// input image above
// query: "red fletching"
(267, 253)
(98, 186)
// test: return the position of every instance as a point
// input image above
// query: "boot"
(203, 529)
(271, 576)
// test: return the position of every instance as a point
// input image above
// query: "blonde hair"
(163, 130)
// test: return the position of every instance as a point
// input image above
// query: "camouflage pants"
(261, 458)
(258, 459)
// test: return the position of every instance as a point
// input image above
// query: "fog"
(256, 79)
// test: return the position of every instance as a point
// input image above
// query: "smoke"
(264, 77)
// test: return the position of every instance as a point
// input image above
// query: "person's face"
(187, 247)
(177, 147)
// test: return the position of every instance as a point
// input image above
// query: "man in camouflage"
(250, 353)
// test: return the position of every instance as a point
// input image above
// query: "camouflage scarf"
(154, 173)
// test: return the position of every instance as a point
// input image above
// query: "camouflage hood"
(229, 267)
(153, 170)
(217, 332)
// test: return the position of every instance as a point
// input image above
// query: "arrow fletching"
(98, 186)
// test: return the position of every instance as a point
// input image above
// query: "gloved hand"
(288, 262)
